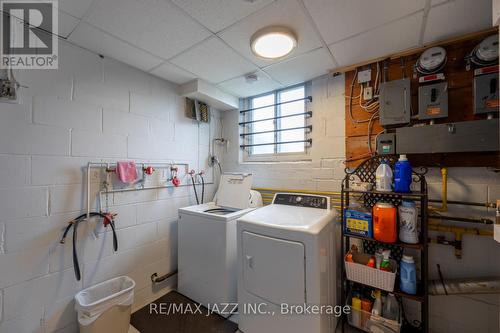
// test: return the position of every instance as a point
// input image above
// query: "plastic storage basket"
(372, 323)
(358, 272)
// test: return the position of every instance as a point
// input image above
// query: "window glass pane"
(298, 121)
(292, 148)
(263, 138)
(290, 95)
(261, 126)
(293, 135)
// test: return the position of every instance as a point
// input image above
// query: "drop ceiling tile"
(219, 14)
(456, 18)
(339, 19)
(213, 61)
(241, 88)
(286, 13)
(67, 24)
(172, 73)
(437, 2)
(99, 41)
(390, 38)
(76, 8)
(156, 26)
(301, 68)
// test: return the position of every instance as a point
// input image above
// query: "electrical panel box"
(433, 101)
(395, 102)
(466, 136)
(386, 144)
(364, 76)
(486, 93)
(367, 93)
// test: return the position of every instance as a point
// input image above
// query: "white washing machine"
(207, 253)
(288, 254)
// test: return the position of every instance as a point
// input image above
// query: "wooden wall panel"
(460, 99)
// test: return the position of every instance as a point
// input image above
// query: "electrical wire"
(356, 121)
(372, 105)
(370, 123)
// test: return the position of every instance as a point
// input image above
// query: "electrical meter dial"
(431, 60)
(484, 54)
(487, 50)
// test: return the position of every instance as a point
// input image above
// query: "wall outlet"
(367, 93)
(364, 76)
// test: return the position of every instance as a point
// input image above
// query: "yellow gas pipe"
(444, 193)
(458, 232)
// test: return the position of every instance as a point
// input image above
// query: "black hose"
(76, 264)
(74, 224)
(202, 188)
(115, 239)
(441, 279)
(195, 192)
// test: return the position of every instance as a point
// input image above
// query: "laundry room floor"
(146, 322)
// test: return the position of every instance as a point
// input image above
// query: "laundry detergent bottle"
(402, 175)
(383, 178)
(408, 228)
(408, 276)
(384, 217)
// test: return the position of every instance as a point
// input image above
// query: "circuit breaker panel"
(433, 101)
(395, 102)
(486, 93)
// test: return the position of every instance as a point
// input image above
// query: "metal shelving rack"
(365, 172)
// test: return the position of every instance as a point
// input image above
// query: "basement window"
(276, 125)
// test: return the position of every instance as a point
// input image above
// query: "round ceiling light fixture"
(273, 42)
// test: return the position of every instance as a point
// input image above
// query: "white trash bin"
(106, 307)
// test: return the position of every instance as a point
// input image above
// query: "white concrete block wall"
(324, 172)
(90, 109)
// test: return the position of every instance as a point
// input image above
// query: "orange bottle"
(385, 222)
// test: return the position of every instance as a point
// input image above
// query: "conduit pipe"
(487, 285)
(462, 219)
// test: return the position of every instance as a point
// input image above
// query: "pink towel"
(126, 171)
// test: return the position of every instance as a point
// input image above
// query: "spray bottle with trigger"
(377, 304)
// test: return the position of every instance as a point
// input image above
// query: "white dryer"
(288, 254)
(207, 266)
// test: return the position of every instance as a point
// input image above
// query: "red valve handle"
(149, 170)
(176, 181)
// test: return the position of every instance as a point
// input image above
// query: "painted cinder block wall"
(90, 109)
(324, 172)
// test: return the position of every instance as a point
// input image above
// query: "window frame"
(275, 156)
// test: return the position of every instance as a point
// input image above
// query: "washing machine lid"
(234, 190)
(306, 219)
(209, 210)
